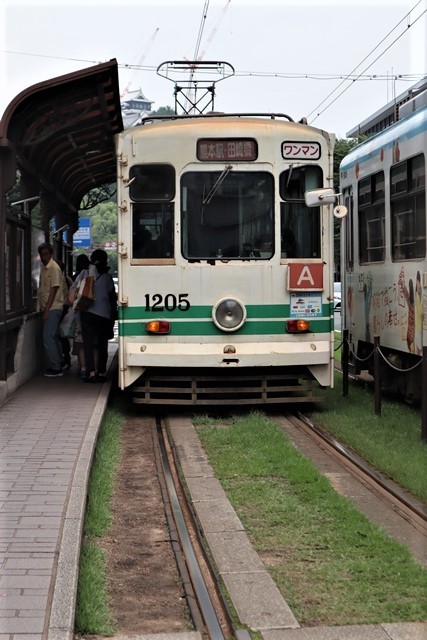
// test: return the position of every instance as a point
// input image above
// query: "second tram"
(384, 262)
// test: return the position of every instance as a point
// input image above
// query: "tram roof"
(61, 131)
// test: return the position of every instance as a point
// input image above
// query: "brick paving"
(48, 430)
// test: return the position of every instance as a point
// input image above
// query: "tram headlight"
(229, 314)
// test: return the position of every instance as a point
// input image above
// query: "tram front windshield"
(227, 215)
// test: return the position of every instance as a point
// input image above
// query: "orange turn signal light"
(158, 326)
(297, 326)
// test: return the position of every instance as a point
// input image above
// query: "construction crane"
(140, 61)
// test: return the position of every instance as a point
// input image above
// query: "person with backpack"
(97, 319)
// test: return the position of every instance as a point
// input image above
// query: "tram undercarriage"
(261, 385)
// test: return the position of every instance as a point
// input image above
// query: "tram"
(225, 276)
(383, 182)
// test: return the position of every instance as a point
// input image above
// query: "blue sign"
(82, 237)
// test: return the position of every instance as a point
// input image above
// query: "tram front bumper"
(261, 354)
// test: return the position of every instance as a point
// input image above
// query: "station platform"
(48, 432)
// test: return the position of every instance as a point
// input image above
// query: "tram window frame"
(349, 228)
(152, 182)
(227, 216)
(371, 218)
(300, 225)
(407, 209)
(153, 232)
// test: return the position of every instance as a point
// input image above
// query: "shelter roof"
(62, 131)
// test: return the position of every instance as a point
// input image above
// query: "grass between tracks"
(93, 615)
(331, 564)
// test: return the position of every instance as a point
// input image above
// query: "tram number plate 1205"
(169, 302)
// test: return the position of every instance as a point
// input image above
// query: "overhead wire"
(327, 76)
(197, 47)
(364, 59)
(410, 77)
(352, 76)
(201, 29)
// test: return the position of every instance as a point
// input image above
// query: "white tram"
(383, 181)
(225, 273)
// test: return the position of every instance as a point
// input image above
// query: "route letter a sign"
(303, 276)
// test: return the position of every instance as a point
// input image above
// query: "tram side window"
(152, 230)
(151, 182)
(227, 215)
(151, 188)
(300, 225)
(408, 210)
(349, 230)
(371, 214)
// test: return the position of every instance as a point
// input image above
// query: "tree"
(103, 219)
(163, 111)
(342, 148)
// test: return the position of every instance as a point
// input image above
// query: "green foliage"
(342, 148)
(14, 193)
(93, 615)
(163, 111)
(92, 611)
(390, 442)
(103, 229)
(103, 475)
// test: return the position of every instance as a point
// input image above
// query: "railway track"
(208, 610)
(210, 604)
(211, 549)
(412, 510)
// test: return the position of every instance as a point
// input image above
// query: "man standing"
(50, 301)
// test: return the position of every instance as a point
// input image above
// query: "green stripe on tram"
(257, 327)
(254, 312)
(205, 312)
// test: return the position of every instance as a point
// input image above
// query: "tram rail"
(208, 609)
(414, 511)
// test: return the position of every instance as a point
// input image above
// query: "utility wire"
(40, 55)
(328, 76)
(349, 76)
(410, 77)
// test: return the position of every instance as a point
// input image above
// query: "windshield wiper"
(221, 179)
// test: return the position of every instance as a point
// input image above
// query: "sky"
(335, 64)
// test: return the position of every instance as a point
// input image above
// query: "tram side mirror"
(320, 197)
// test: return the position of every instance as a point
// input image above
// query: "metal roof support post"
(7, 179)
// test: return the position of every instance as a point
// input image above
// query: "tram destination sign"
(226, 149)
